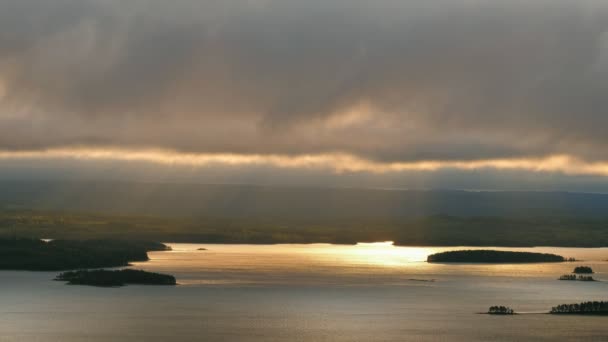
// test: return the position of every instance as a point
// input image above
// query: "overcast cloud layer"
(384, 80)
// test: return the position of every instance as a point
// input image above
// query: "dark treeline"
(115, 278)
(592, 308)
(492, 256)
(574, 277)
(37, 255)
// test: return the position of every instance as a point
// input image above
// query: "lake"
(367, 292)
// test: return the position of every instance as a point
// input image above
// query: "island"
(583, 270)
(106, 278)
(586, 308)
(500, 310)
(574, 277)
(59, 255)
(493, 256)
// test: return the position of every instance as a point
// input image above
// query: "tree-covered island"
(583, 270)
(500, 310)
(493, 256)
(586, 308)
(108, 278)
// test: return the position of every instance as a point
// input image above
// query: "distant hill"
(255, 214)
(243, 201)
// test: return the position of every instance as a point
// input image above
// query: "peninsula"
(58, 255)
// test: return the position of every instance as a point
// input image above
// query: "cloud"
(333, 163)
(386, 82)
(154, 167)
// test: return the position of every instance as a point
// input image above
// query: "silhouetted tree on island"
(574, 277)
(500, 310)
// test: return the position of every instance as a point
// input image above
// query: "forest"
(416, 231)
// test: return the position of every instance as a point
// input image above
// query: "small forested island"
(500, 310)
(574, 277)
(586, 308)
(108, 278)
(58, 255)
(583, 270)
(493, 256)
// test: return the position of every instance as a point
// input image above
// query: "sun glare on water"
(384, 253)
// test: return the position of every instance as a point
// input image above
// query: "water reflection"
(367, 292)
(382, 254)
(364, 264)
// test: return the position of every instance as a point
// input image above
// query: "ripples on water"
(368, 292)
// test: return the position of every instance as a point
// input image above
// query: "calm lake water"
(368, 292)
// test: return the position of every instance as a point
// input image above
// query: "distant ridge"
(244, 201)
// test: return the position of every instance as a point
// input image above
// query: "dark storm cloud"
(384, 80)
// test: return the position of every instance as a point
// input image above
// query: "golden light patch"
(339, 163)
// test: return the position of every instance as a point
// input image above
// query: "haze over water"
(309, 293)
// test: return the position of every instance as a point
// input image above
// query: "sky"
(466, 94)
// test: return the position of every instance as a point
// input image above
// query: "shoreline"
(374, 242)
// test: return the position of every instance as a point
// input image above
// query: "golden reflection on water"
(382, 253)
(362, 264)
